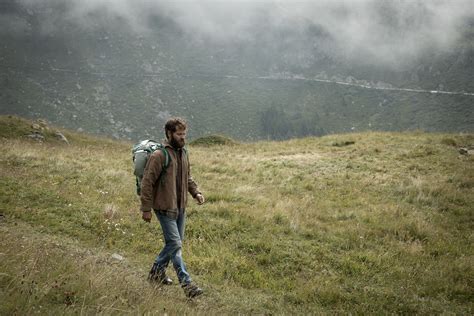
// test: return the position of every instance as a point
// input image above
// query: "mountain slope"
(96, 73)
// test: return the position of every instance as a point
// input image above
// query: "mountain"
(122, 72)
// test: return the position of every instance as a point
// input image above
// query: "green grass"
(383, 225)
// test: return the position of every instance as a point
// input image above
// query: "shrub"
(213, 140)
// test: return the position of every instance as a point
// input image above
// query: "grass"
(383, 225)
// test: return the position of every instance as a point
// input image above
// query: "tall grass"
(380, 225)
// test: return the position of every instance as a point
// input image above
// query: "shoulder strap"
(167, 157)
(164, 167)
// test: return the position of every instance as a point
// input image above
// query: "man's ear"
(168, 134)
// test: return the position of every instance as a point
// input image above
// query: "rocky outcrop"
(36, 135)
(466, 151)
(61, 137)
(40, 131)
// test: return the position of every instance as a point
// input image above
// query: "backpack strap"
(164, 167)
(167, 157)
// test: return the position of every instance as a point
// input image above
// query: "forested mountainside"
(93, 69)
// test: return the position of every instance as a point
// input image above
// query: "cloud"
(11, 25)
(386, 31)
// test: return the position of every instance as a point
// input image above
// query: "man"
(164, 190)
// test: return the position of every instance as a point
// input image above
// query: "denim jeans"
(173, 233)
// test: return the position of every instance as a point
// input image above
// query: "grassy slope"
(381, 226)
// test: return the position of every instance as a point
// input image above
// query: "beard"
(176, 143)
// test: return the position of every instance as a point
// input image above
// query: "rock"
(117, 257)
(466, 151)
(36, 135)
(43, 124)
(60, 136)
(36, 127)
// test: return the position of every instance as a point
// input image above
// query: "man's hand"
(200, 199)
(146, 216)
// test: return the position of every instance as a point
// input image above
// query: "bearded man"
(164, 191)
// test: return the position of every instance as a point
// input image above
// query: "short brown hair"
(173, 124)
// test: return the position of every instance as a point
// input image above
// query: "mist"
(387, 32)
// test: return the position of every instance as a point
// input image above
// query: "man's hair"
(173, 124)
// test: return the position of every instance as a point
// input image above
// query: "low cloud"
(377, 30)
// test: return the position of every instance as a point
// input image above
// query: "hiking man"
(164, 190)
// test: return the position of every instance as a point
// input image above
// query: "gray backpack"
(140, 154)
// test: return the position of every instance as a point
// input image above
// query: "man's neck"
(177, 149)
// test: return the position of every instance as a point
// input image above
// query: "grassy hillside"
(357, 223)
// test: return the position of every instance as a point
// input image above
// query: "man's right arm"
(150, 177)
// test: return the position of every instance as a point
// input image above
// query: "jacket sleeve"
(192, 185)
(151, 174)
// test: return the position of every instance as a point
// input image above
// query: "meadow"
(360, 223)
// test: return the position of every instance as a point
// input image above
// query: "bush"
(213, 140)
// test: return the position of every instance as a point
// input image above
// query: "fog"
(378, 30)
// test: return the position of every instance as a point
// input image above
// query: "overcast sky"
(384, 29)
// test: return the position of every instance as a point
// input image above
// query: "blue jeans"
(173, 233)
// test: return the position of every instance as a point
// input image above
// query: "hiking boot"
(191, 290)
(159, 275)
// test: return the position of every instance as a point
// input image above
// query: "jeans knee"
(174, 245)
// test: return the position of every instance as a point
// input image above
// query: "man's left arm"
(193, 188)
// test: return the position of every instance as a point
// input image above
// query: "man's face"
(178, 138)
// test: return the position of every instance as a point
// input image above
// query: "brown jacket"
(160, 193)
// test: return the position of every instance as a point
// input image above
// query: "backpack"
(140, 154)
